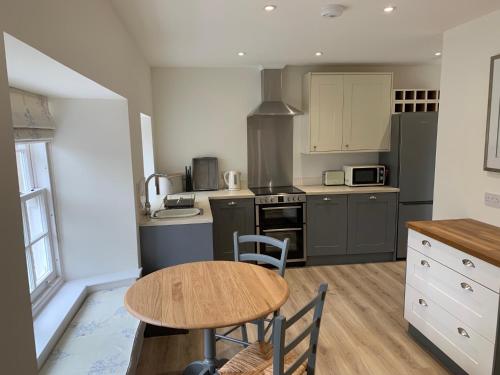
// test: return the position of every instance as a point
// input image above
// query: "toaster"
(333, 178)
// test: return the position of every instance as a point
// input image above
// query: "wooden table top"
(470, 236)
(206, 295)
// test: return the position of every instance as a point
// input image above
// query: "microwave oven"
(364, 175)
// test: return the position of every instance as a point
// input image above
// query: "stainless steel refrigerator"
(411, 164)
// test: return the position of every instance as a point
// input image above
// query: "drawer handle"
(426, 243)
(425, 263)
(466, 286)
(232, 203)
(468, 263)
(373, 197)
(463, 332)
(422, 302)
(327, 199)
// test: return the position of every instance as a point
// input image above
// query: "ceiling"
(30, 70)
(212, 32)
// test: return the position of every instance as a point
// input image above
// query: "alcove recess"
(415, 100)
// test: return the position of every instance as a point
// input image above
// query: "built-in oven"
(282, 218)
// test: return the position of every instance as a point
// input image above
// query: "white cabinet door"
(367, 112)
(326, 104)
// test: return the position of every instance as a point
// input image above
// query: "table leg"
(209, 349)
(210, 362)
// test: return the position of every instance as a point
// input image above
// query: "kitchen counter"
(342, 189)
(470, 236)
(452, 293)
(202, 201)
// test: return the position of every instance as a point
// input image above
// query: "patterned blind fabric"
(31, 116)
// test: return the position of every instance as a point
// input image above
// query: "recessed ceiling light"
(269, 8)
(389, 9)
(332, 10)
(437, 54)
(242, 53)
(319, 53)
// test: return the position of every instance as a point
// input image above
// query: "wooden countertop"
(470, 236)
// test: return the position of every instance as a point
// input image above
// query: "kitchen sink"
(176, 213)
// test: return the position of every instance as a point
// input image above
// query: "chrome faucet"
(147, 204)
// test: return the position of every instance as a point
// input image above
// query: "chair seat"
(257, 359)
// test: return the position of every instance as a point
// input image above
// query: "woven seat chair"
(280, 264)
(262, 358)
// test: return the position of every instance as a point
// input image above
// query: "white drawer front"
(474, 268)
(457, 340)
(470, 302)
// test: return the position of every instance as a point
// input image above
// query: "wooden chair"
(281, 358)
(280, 264)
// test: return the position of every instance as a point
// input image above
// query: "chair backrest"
(280, 350)
(280, 264)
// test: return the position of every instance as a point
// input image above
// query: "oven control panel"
(277, 199)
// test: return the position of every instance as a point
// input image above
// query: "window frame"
(51, 282)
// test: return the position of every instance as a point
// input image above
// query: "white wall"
(203, 112)
(92, 174)
(17, 347)
(460, 180)
(87, 37)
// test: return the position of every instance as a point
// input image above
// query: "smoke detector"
(332, 10)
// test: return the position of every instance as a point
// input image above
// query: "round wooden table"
(206, 295)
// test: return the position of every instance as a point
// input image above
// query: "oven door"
(280, 216)
(296, 236)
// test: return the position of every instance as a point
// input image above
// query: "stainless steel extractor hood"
(272, 103)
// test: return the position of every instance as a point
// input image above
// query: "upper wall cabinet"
(347, 112)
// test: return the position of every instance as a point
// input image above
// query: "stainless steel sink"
(176, 213)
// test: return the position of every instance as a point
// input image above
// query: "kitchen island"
(452, 292)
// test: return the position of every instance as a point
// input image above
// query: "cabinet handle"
(426, 243)
(373, 197)
(346, 146)
(327, 199)
(468, 263)
(425, 263)
(466, 287)
(422, 302)
(232, 203)
(314, 148)
(463, 332)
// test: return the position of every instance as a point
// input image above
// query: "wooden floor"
(362, 331)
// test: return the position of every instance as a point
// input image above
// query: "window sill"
(49, 324)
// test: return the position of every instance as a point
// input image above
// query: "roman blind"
(31, 118)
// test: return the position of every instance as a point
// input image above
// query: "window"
(147, 145)
(38, 218)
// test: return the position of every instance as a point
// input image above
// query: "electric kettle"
(232, 180)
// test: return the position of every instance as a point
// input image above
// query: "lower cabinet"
(231, 215)
(351, 228)
(327, 225)
(372, 223)
(452, 305)
(169, 245)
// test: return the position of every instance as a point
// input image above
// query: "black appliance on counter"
(205, 174)
(280, 212)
